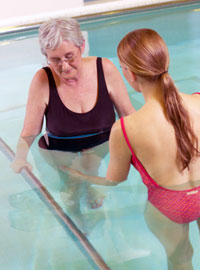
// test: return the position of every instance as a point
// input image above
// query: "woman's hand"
(73, 172)
(18, 164)
(97, 180)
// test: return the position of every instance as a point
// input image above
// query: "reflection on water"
(29, 213)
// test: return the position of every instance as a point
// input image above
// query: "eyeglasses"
(56, 61)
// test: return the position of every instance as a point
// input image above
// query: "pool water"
(31, 235)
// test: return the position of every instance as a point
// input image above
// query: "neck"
(151, 91)
(70, 82)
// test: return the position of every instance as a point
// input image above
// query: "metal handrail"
(53, 205)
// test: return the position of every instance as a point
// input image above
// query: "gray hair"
(53, 32)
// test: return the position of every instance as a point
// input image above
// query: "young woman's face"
(130, 77)
(125, 71)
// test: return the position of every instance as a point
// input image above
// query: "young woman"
(161, 140)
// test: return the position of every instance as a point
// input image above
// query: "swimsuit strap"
(101, 83)
(100, 74)
(136, 162)
(125, 136)
(50, 77)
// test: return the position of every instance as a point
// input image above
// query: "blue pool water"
(31, 235)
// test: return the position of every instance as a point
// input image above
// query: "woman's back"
(164, 136)
(152, 138)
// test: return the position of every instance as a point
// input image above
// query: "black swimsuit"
(71, 131)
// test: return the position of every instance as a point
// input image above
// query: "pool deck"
(90, 9)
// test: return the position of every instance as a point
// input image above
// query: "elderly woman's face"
(65, 60)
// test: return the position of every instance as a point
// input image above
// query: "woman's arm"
(117, 89)
(35, 108)
(97, 180)
(119, 164)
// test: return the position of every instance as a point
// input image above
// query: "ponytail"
(145, 53)
(187, 142)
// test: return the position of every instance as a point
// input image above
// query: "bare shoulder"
(40, 77)
(116, 130)
(130, 123)
(108, 66)
(39, 87)
(191, 101)
(135, 120)
(138, 124)
(113, 79)
(89, 60)
(117, 142)
(39, 81)
(196, 96)
(117, 88)
(89, 65)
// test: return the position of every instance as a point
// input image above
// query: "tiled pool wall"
(87, 8)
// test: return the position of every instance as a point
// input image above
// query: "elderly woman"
(166, 153)
(77, 96)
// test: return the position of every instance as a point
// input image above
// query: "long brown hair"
(145, 53)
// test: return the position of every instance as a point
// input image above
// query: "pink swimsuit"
(181, 206)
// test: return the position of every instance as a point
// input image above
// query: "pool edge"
(86, 15)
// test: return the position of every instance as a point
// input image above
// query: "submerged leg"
(90, 162)
(173, 236)
(70, 190)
